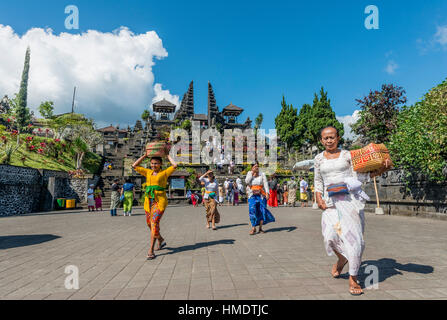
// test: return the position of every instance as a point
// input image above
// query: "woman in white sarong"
(343, 219)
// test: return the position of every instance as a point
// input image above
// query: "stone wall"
(419, 198)
(24, 190)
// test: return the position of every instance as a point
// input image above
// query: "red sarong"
(273, 199)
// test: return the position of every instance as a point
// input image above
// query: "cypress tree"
(22, 112)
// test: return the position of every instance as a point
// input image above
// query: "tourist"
(98, 198)
(230, 192)
(115, 197)
(339, 195)
(291, 185)
(258, 194)
(221, 194)
(196, 198)
(303, 192)
(227, 196)
(285, 195)
(188, 195)
(211, 193)
(273, 185)
(279, 194)
(235, 194)
(128, 190)
(91, 198)
(155, 201)
(202, 191)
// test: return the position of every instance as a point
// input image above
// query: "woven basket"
(370, 158)
(156, 149)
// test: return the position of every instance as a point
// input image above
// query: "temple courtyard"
(286, 262)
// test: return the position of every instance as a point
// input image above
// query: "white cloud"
(391, 67)
(161, 94)
(347, 121)
(441, 35)
(112, 71)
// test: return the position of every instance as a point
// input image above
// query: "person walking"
(230, 192)
(128, 190)
(291, 198)
(115, 197)
(235, 194)
(273, 186)
(285, 194)
(155, 201)
(221, 194)
(340, 196)
(211, 193)
(258, 195)
(91, 198)
(303, 192)
(98, 198)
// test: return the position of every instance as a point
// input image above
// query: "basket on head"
(370, 158)
(156, 149)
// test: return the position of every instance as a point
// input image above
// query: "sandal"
(150, 256)
(261, 231)
(337, 273)
(252, 232)
(355, 291)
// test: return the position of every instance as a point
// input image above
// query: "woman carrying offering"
(155, 202)
(258, 194)
(339, 195)
(209, 198)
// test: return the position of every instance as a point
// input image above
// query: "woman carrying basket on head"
(210, 199)
(339, 195)
(155, 201)
(258, 194)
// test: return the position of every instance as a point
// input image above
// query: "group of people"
(94, 198)
(285, 194)
(338, 193)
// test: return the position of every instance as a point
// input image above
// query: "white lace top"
(260, 180)
(330, 171)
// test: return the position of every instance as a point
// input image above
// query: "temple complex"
(121, 147)
(130, 142)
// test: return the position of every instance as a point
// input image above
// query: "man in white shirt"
(303, 192)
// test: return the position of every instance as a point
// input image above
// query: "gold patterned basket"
(370, 158)
(156, 149)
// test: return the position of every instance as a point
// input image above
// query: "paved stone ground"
(287, 262)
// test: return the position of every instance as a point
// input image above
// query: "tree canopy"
(419, 141)
(378, 115)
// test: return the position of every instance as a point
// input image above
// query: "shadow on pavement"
(388, 268)
(196, 246)
(231, 225)
(288, 229)
(7, 242)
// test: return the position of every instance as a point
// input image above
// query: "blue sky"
(253, 52)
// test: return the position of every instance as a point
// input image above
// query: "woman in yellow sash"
(155, 202)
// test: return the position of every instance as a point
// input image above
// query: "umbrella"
(303, 165)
